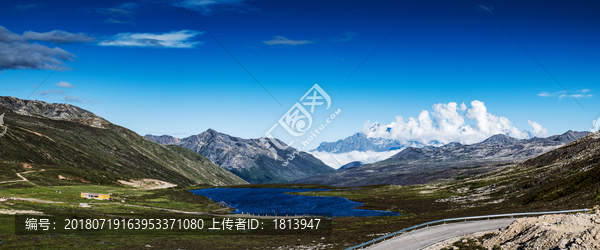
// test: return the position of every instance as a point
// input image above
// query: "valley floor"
(492, 193)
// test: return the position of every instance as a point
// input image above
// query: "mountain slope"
(564, 178)
(249, 158)
(350, 165)
(62, 134)
(427, 164)
(569, 170)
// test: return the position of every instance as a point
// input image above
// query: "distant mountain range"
(422, 165)
(497, 147)
(248, 158)
(90, 148)
(360, 142)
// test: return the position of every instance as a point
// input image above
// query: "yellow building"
(95, 196)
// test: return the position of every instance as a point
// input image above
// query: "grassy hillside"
(114, 150)
(572, 170)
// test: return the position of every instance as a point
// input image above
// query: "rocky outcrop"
(55, 111)
(164, 139)
(580, 231)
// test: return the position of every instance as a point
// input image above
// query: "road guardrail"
(426, 224)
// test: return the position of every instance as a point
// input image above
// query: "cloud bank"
(174, 39)
(338, 160)
(17, 51)
(449, 122)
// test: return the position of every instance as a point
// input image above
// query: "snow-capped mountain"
(415, 165)
(360, 142)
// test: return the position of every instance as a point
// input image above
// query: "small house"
(95, 196)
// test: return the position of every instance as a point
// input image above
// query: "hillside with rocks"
(554, 231)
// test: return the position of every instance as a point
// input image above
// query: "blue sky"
(152, 68)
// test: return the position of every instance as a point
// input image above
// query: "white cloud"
(562, 94)
(207, 7)
(57, 36)
(285, 41)
(545, 94)
(52, 92)
(347, 36)
(63, 84)
(122, 13)
(22, 7)
(76, 99)
(174, 39)
(538, 130)
(485, 8)
(575, 95)
(17, 51)
(450, 123)
(338, 160)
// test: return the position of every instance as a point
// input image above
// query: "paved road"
(426, 236)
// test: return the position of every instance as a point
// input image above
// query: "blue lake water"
(276, 201)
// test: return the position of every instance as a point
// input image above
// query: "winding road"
(425, 237)
(20, 176)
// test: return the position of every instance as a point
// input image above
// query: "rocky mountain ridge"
(360, 142)
(55, 111)
(427, 164)
(249, 158)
